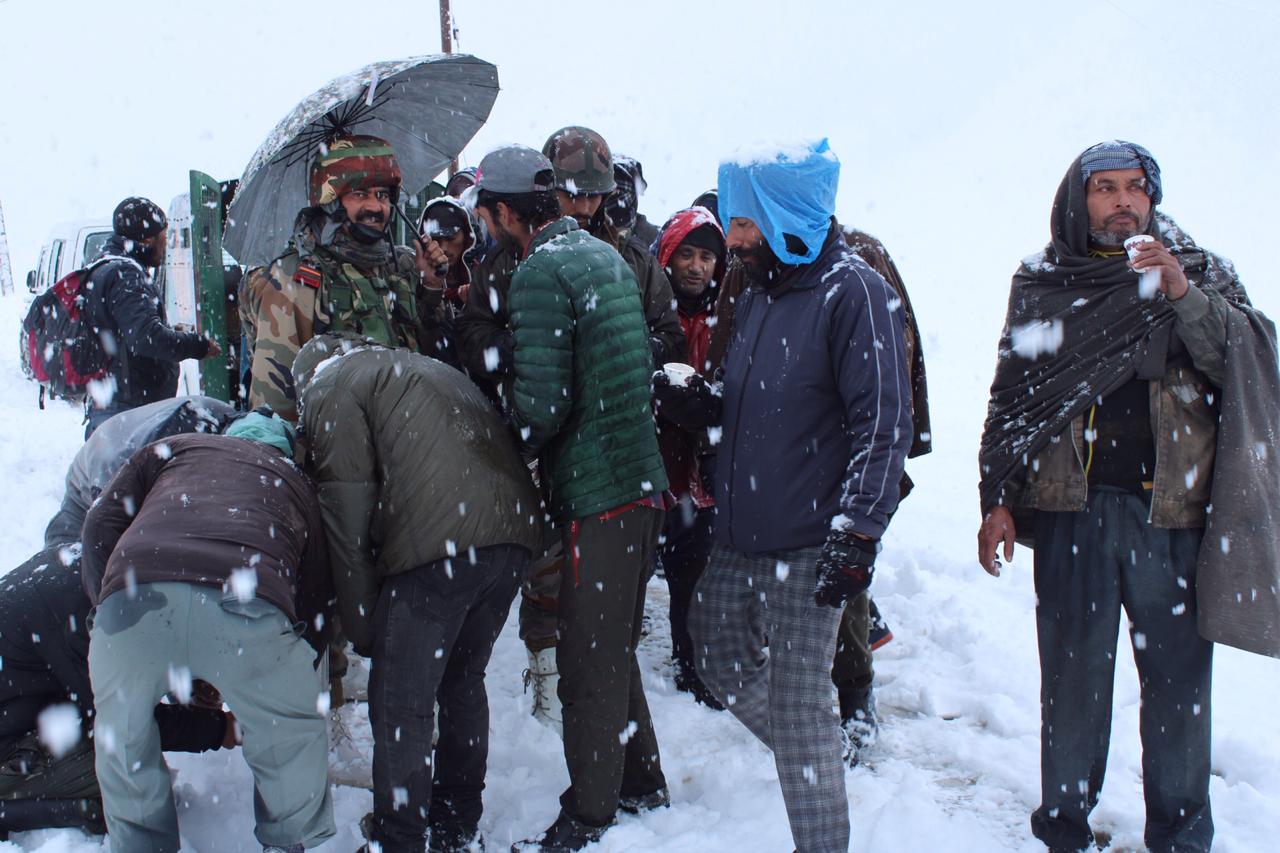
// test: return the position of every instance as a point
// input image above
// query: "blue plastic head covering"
(1118, 154)
(269, 430)
(784, 192)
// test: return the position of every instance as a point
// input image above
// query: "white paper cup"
(678, 373)
(1148, 280)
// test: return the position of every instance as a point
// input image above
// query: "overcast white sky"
(939, 111)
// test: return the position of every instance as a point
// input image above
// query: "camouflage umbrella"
(427, 107)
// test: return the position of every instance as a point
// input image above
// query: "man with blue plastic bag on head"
(816, 417)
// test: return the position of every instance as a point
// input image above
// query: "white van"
(70, 246)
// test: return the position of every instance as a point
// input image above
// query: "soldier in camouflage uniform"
(340, 272)
(584, 174)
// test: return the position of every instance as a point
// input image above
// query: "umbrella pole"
(446, 46)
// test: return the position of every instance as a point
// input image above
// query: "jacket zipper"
(751, 363)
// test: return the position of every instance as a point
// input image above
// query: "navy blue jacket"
(129, 312)
(817, 407)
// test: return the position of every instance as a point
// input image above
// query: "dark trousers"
(684, 552)
(852, 667)
(609, 744)
(434, 630)
(1088, 565)
(23, 695)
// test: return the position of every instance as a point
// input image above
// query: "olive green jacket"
(412, 465)
(580, 388)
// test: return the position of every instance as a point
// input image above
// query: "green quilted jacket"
(580, 393)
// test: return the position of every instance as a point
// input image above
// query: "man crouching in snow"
(205, 558)
(816, 420)
(432, 518)
(1118, 417)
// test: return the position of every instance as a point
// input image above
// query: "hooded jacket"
(128, 313)
(438, 309)
(114, 442)
(680, 450)
(196, 509)
(413, 465)
(817, 407)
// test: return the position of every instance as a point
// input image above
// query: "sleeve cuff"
(1192, 306)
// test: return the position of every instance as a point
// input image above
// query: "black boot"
(563, 836)
(858, 720)
(636, 803)
(687, 681)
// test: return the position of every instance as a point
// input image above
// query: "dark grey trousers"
(1088, 565)
(742, 604)
(609, 743)
(434, 630)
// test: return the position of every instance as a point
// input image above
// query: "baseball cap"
(515, 169)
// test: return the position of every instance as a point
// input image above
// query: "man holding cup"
(1115, 420)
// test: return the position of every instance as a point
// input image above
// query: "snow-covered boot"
(858, 720)
(544, 678)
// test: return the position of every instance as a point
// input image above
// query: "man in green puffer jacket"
(580, 400)
(433, 517)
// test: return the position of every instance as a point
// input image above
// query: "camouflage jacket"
(284, 305)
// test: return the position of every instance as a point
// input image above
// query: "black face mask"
(366, 234)
(621, 206)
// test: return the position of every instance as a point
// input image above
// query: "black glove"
(845, 568)
(692, 407)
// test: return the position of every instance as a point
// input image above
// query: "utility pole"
(6, 272)
(446, 46)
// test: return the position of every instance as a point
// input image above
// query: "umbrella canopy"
(427, 107)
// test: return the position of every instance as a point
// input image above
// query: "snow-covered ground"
(954, 123)
(955, 768)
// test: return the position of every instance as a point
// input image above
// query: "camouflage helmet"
(353, 163)
(582, 161)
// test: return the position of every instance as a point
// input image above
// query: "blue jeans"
(1088, 565)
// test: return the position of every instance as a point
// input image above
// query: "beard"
(506, 240)
(1116, 229)
(760, 265)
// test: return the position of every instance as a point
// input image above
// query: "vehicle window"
(42, 270)
(55, 258)
(186, 238)
(93, 244)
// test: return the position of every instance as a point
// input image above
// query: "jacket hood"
(454, 203)
(790, 194)
(271, 430)
(320, 350)
(674, 231)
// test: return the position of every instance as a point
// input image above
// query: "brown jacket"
(195, 508)
(1184, 423)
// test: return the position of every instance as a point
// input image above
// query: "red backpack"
(64, 349)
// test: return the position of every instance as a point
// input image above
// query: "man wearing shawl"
(1130, 441)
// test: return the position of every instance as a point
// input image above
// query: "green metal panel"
(206, 256)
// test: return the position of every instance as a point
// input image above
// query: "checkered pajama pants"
(743, 603)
